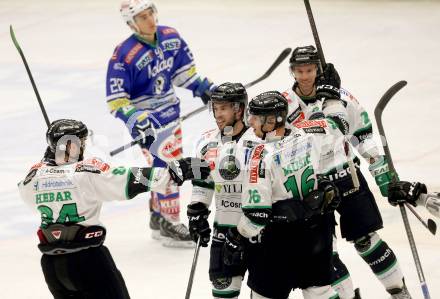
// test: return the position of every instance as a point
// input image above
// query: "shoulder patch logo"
(132, 53)
(167, 31)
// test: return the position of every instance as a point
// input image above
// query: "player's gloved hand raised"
(233, 249)
(142, 129)
(382, 175)
(204, 90)
(401, 192)
(187, 169)
(198, 222)
(328, 83)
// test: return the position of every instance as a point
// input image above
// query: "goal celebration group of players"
(277, 167)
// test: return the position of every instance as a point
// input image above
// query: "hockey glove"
(141, 128)
(204, 90)
(233, 249)
(382, 174)
(325, 199)
(401, 192)
(328, 84)
(331, 195)
(188, 169)
(198, 223)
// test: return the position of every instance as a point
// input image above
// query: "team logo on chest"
(159, 84)
(229, 167)
(161, 64)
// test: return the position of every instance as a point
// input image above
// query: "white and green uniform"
(280, 175)
(227, 157)
(360, 216)
(75, 192)
(287, 169)
(359, 122)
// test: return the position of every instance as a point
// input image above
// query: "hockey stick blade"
(34, 86)
(274, 65)
(432, 226)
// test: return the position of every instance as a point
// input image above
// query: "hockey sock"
(154, 203)
(228, 287)
(324, 292)
(170, 206)
(342, 284)
(381, 260)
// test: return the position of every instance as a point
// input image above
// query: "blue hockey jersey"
(141, 76)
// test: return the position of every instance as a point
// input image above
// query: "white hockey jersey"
(75, 192)
(360, 128)
(287, 169)
(227, 159)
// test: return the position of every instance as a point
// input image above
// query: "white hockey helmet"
(130, 8)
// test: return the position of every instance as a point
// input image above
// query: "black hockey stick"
(274, 65)
(378, 114)
(315, 33)
(322, 65)
(193, 270)
(14, 40)
(430, 225)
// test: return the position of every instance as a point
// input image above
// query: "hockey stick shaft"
(315, 32)
(274, 65)
(351, 166)
(193, 270)
(378, 115)
(34, 86)
(431, 228)
(269, 71)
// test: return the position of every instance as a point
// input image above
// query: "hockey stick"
(14, 40)
(430, 225)
(351, 166)
(193, 270)
(378, 114)
(274, 65)
(34, 86)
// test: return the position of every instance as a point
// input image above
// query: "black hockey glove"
(233, 249)
(325, 199)
(198, 223)
(144, 132)
(401, 192)
(188, 169)
(328, 84)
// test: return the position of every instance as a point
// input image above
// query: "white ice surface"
(68, 43)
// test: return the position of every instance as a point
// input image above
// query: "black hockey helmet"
(234, 93)
(270, 103)
(230, 92)
(63, 127)
(304, 55)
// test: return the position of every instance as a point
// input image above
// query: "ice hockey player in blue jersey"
(140, 84)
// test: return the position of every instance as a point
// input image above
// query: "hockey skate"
(400, 293)
(155, 225)
(175, 235)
